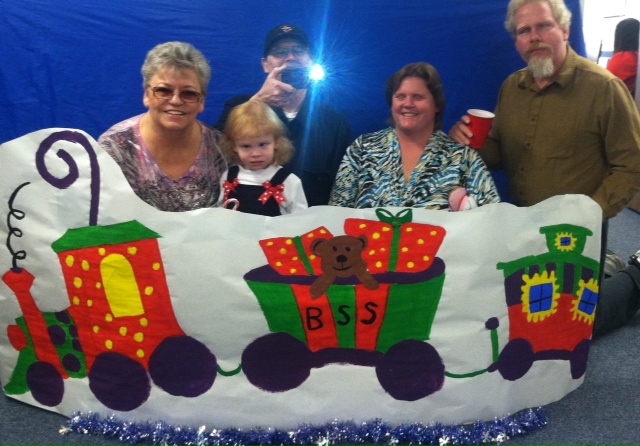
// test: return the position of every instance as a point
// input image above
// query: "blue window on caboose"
(566, 241)
(541, 297)
(588, 301)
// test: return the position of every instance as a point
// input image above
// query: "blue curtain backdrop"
(76, 63)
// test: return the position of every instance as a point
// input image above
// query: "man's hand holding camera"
(275, 92)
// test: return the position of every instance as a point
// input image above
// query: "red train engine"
(119, 327)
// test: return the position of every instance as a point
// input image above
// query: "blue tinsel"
(374, 432)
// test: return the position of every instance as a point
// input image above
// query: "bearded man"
(565, 125)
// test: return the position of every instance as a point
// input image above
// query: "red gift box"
(292, 256)
(395, 243)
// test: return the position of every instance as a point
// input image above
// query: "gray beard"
(540, 67)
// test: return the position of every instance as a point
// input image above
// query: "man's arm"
(489, 153)
(343, 139)
(621, 137)
(273, 92)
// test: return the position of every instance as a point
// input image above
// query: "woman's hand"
(274, 92)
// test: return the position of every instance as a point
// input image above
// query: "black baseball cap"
(285, 32)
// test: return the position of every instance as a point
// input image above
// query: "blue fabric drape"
(77, 63)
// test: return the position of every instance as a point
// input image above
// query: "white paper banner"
(233, 320)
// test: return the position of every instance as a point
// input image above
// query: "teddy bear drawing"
(341, 256)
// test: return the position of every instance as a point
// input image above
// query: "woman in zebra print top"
(413, 163)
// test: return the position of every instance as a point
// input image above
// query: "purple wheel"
(515, 359)
(46, 383)
(119, 382)
(411, 370)
(276, 362)
(183, 366)
(578, 359)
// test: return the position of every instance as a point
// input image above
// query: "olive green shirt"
(578, 135)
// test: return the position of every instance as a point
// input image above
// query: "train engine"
(119, 330)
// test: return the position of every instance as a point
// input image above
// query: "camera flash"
(316, 73)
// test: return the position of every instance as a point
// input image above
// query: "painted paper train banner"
(233, 320)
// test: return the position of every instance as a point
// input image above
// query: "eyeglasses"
(283, 51)
(167, 93)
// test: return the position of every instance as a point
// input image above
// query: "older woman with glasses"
(413, 163)
(171, 160)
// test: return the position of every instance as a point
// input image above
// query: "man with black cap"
(319, 134)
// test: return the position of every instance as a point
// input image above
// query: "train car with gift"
(350, 322)
(119, 330)
(551, 300)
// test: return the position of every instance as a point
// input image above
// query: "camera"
(297, 77)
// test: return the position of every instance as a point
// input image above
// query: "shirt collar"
(568, 68)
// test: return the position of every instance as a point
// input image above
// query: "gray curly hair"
(176, 56)
(560, 12)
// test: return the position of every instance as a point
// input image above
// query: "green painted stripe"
(303, 255)
(92, 236)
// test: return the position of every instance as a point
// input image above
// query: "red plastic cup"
(480, 125)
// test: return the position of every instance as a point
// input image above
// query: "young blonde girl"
(256, 147)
